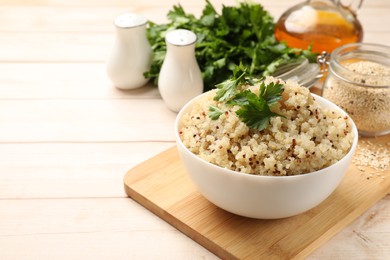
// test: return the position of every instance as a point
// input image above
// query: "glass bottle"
(131, 53)
(180, 78)
(326, 24)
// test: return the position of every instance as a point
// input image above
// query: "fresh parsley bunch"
(254, 109)
(240, 34)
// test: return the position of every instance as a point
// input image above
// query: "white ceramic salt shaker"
(131, 53)
(180, 78)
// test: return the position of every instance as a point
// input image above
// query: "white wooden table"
(67, 137)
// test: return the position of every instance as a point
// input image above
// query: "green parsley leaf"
(240, 99)
(254, 109)
(208, 15)
(214, 112)
(256, 113)
(271, 92)
(238, 34)
(228, 88)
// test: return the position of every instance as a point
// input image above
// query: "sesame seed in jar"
(366, 98)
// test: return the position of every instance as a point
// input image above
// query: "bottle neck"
(323, 2)
(353, 5)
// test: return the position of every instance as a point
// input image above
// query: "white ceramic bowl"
(264, 197)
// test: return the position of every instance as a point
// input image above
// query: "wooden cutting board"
(162, 186)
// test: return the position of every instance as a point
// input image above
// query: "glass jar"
(301, 71)
(358, 81)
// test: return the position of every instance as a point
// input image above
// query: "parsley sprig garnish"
(254, 109)
(214, 112)
(228, 88)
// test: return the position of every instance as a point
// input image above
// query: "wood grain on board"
(162, 186)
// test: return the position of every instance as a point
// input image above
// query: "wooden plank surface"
(162, 186)
(85, 120)
(24, 167)
(43, 47)
(91, 79)
(95, 18)
(68, 137)
(108, 228)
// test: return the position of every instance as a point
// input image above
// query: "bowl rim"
(248, 175)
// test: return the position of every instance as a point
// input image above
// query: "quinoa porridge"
(306, 139)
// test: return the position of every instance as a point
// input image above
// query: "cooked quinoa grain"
(307, 139)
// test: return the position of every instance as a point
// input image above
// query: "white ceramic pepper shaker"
(180, 78)
(131, 53)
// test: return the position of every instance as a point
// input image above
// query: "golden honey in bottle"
(324, 24)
